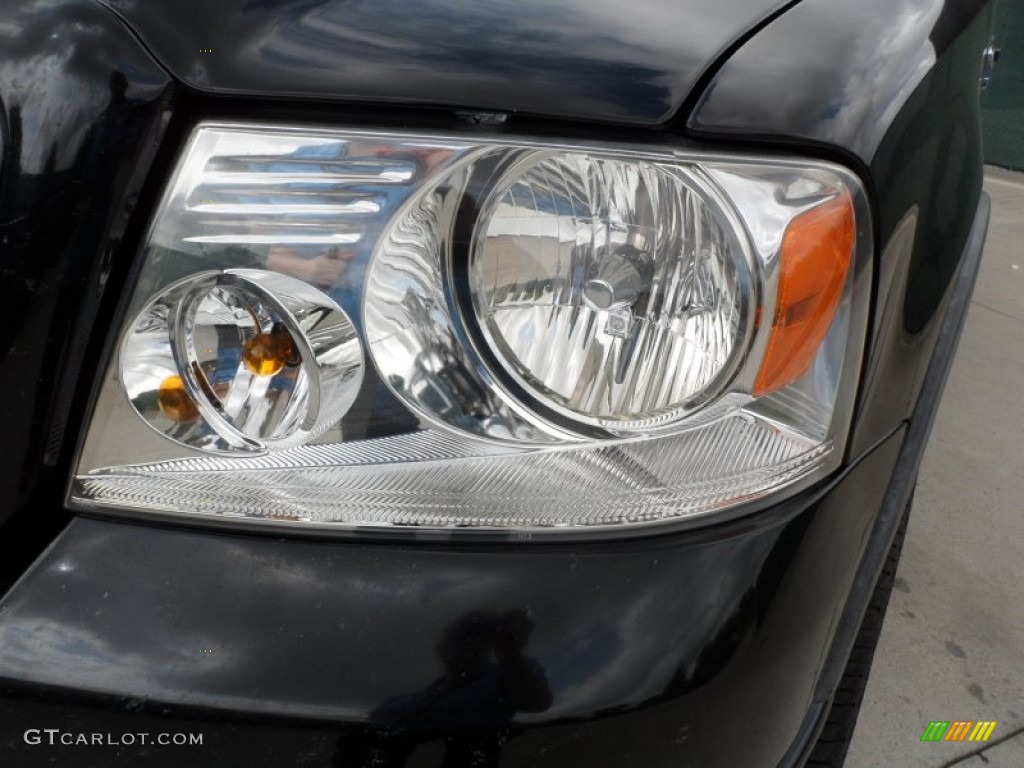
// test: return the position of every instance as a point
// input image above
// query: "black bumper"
(699, 648)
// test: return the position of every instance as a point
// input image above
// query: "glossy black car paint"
(578, 59)
(81, 110)
(328, 638)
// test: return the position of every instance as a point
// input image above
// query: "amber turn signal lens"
(813, 261)
(174, 402)
(265, 354)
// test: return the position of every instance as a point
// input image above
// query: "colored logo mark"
(958, 730)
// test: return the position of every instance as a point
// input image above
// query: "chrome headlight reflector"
(615, 291)
(343, 329)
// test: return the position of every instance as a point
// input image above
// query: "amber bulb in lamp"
(265, 354)
(175, 402)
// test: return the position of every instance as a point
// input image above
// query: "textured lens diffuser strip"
(639, 481)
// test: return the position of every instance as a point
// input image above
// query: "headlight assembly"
(348, 330)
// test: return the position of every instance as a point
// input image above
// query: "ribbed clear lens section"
(612, 288)
(351, 330)
(433, 482)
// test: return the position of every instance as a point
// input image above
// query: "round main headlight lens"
(615, 292)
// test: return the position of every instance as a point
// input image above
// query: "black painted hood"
(607, 60)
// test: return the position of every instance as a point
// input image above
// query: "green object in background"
(1002, 103)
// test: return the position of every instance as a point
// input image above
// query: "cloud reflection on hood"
(579, 58)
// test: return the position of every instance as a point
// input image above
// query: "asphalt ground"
(952, 646)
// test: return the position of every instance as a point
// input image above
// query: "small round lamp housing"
(241, 361)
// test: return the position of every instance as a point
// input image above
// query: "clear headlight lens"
(363, 330)
(615, 291)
